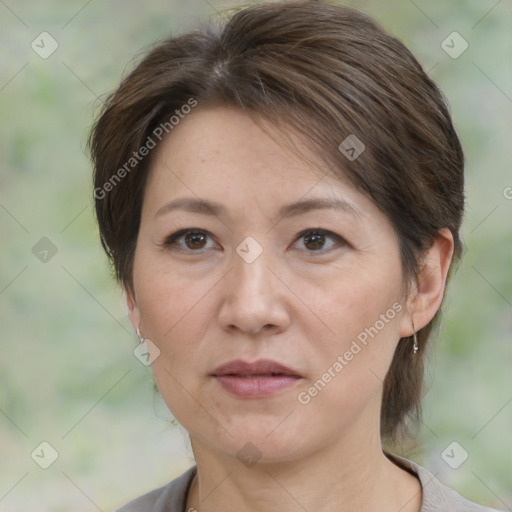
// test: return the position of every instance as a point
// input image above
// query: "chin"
(265, 440)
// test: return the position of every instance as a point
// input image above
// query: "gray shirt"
(436, 496)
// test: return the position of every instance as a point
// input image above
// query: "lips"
(259, 379)
(263, 367)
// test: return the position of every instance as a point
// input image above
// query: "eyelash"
(171, 240)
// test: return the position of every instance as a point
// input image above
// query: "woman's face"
(264, 275)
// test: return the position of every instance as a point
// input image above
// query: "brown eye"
(187, 240)
(195, 240)
(314, 240)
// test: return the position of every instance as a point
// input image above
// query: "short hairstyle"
(329, 73)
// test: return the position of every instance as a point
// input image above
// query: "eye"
(196, 240)
(188, 240)
(315, 239)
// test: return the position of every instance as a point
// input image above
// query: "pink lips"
(255, 380)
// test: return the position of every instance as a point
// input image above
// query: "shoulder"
(436, 496)
(168, 498)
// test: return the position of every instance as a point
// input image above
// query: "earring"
(141, 339)
(415, 344)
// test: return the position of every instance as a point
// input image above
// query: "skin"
(205, 305)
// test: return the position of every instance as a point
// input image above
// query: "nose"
(254, 299)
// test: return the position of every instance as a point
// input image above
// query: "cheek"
(358, 301)
(170, 305)
(350, 372)
(175, 316)
(363, 311)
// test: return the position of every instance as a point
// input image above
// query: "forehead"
(223, 155)
(229, 140)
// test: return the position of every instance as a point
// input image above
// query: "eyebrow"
(212, 208)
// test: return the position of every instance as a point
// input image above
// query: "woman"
(281, 199)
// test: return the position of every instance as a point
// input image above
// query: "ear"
(427, 293)
(133, 309)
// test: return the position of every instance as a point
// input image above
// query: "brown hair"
(327, 72)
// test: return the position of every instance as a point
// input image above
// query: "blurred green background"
(67, 372)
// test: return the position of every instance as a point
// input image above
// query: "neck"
(353, 473)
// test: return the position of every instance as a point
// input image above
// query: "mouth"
(259, 379)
